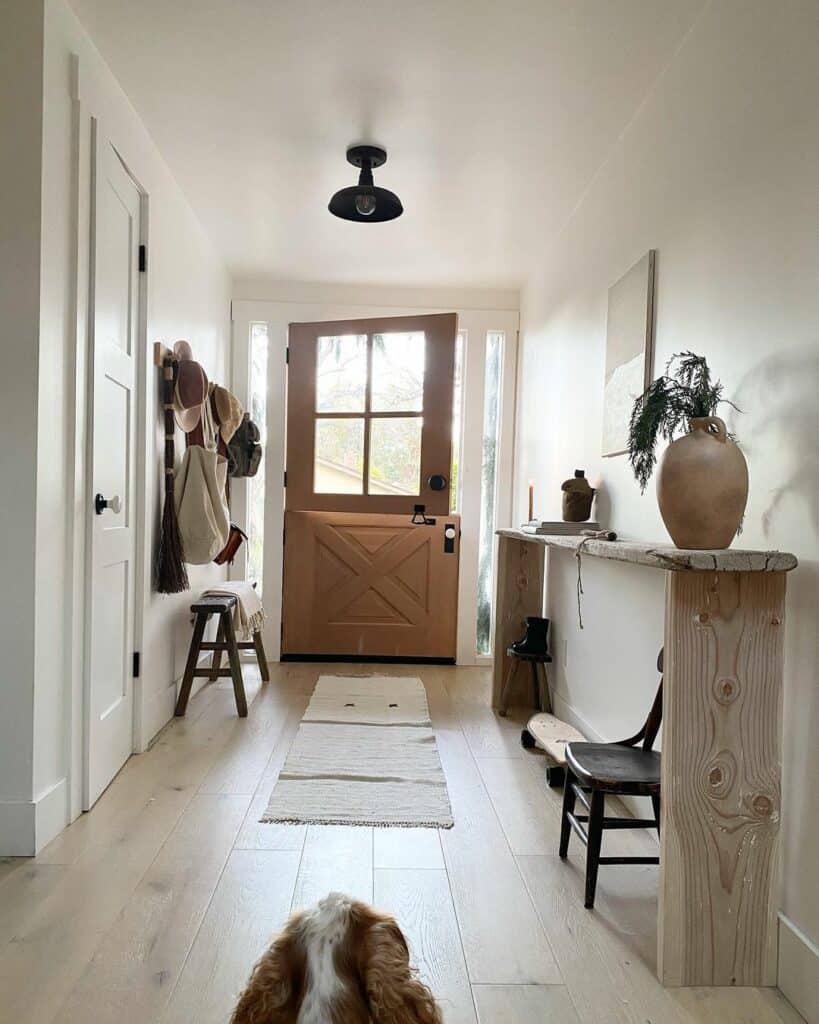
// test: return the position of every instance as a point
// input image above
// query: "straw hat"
(182, 350)
(190, 392)
(229, 411)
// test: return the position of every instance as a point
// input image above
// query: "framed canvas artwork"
(629, 350)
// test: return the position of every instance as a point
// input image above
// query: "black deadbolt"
(437, 482)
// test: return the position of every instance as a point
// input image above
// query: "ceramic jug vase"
(702, 486)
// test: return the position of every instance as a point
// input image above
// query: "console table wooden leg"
(519, 592)
(721, 757)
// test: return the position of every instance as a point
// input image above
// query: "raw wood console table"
(721, 743)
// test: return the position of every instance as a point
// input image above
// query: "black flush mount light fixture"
(365, 201)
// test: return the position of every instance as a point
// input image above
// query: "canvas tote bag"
(199, 493)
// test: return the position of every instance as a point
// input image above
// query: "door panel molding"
(345, 597)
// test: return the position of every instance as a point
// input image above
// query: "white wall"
(21, 88)
(188, 296)
(719, 171)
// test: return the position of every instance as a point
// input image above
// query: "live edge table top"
(658, 556)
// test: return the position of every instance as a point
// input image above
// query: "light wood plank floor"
(155, 905)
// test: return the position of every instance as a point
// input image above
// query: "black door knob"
(437, 482)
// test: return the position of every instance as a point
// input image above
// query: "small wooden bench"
(223, 606)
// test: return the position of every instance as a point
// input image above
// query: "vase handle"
(712, 425)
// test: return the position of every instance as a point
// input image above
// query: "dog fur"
(339, 963)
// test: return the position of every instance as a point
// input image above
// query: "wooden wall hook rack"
(161, 353)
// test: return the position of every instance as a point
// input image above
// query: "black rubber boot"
(536, 640)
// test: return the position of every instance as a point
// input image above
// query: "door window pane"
(339, 457)
(398, 372)
(486, 542)
(341, 373)
(395, 455)
(255, 484)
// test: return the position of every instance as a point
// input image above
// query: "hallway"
(154, 906)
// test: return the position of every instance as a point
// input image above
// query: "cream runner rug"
(365, 754)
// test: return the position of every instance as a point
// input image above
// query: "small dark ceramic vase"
(578, 495)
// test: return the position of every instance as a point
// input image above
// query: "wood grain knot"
(726, 690)
(702, 618)
(763, 805)
(776, 621)
(721, 774)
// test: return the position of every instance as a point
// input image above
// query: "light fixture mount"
(366, 202)
(358, 156)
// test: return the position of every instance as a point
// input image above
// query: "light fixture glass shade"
(365, 204)
(344, 204)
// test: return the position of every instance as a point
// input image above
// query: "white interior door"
(112, 404)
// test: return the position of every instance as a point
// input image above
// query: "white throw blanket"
(248, 616)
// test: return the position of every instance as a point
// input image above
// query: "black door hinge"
(136, 665)
(285, 478)
(287, 354)
(143, 259)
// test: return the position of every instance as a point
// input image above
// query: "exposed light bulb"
(365, 204)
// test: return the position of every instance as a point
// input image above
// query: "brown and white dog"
(339, 963)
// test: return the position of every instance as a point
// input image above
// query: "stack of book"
(559, 528)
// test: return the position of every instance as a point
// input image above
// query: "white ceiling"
(495, 115)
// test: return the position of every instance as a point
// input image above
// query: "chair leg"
(569, 800)
(190, 666)
(235, 665)
(216, 664)
(261, 657)
(596, 813)
(655, 803)
(507, 682)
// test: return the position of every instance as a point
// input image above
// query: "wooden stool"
(541, 703)
(223, 606)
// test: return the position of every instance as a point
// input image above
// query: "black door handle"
(420, 517)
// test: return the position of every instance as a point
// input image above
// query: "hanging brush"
(171, 574)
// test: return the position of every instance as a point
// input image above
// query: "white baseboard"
(17, 829)
(799, 969)
(160, 707)
(26, 826)
(567, 713)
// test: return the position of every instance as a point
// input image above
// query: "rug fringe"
(265, 820)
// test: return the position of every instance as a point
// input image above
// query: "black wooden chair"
(595, 770)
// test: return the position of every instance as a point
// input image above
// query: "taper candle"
(531, 501)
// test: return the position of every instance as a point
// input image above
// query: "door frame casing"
(475, 323)
(87, 102)
(99, 139)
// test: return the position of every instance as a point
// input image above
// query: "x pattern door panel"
(369, 585)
